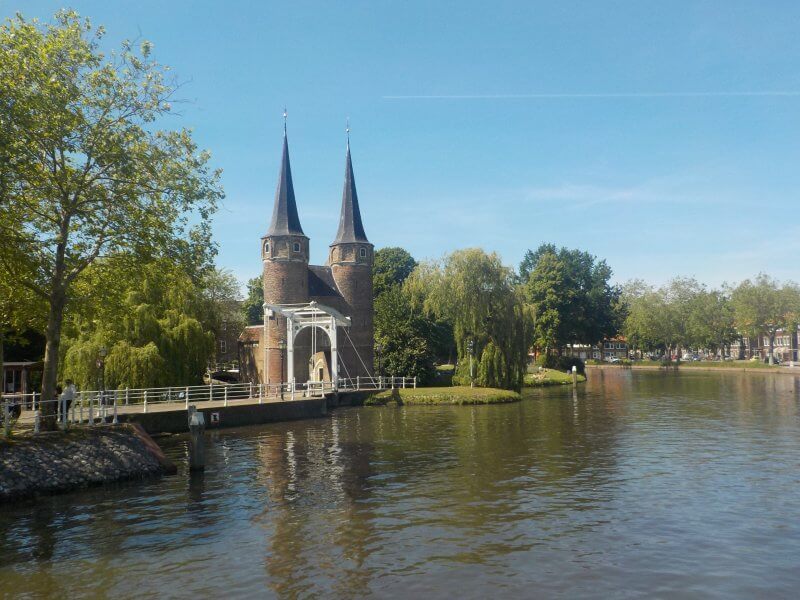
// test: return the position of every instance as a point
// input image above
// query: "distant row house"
(785, 347)
(616, 347)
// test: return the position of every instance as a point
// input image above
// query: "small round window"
(296, 247)
(363, 253)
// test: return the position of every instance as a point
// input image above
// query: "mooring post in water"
(574, 375)
(197, 451)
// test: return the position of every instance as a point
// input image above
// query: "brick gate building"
(344, 284)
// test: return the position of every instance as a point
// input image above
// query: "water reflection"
(644, 482)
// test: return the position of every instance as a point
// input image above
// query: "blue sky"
(662, 136)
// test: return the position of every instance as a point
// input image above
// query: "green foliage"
(135, 367)
(439, 395)
(572, 297)
(391, 267)
(84, 170)
(155, 308)
(404, 336)
(763, 305)
(547, 377)
(562, 363)
(477, 294)
(253, 307)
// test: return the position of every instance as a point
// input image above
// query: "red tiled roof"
(251, 334)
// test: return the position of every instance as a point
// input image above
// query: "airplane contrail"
(768, 93)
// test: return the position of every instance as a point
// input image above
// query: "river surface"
(639, 484)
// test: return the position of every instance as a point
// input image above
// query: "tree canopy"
(475, 292)
(572, 296)
(85, 171)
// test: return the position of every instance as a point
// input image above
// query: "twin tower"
(343, 284)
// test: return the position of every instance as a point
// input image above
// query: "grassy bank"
(550, 377)
(443, 395)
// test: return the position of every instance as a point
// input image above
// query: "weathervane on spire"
(347, 129)
(285, 114)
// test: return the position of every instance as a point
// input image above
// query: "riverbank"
(721, 367)
(548, 377)
(442, 395)
(57, 462)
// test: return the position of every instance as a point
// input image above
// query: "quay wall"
(57, 462)
(176, 421)
(686, 369)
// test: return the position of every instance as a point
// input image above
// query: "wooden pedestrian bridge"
(165, 408)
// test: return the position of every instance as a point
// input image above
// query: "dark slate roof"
(320, 282)
(350, 227)
(284, 215)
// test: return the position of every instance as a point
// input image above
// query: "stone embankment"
(57, 462)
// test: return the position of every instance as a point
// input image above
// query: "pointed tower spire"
(351, 228)
(285, 220)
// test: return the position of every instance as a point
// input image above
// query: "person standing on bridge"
(67, 396)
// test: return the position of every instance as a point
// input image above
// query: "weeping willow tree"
(153, 319)
(477, 293)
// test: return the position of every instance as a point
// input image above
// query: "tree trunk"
(50, 368)
(772, 349)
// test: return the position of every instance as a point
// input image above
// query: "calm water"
(640, 484)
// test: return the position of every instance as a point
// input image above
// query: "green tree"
(477, 294)
(86, 171)
(391, 267)
(157, 317)
(404, 336)
(572, 296)
(253, 306)
(764, 305)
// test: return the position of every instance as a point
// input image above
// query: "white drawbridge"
(302, 316)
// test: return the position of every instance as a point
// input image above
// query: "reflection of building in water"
(317, 497)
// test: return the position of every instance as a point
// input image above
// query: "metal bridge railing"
(89, 407)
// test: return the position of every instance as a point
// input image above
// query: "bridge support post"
(186, 397)
(226, 396)
(144, 407)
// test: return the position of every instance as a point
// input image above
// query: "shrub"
(563, 363)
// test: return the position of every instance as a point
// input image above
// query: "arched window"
(266, 247)
(296, 247)
(363, 252)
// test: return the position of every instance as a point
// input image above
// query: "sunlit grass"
(443, 395)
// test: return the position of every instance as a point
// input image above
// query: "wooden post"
(127, 392)
(144, 408)
(186, 397)
(226, 396)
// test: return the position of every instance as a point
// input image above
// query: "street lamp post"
(101, 366)
(282, 348)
